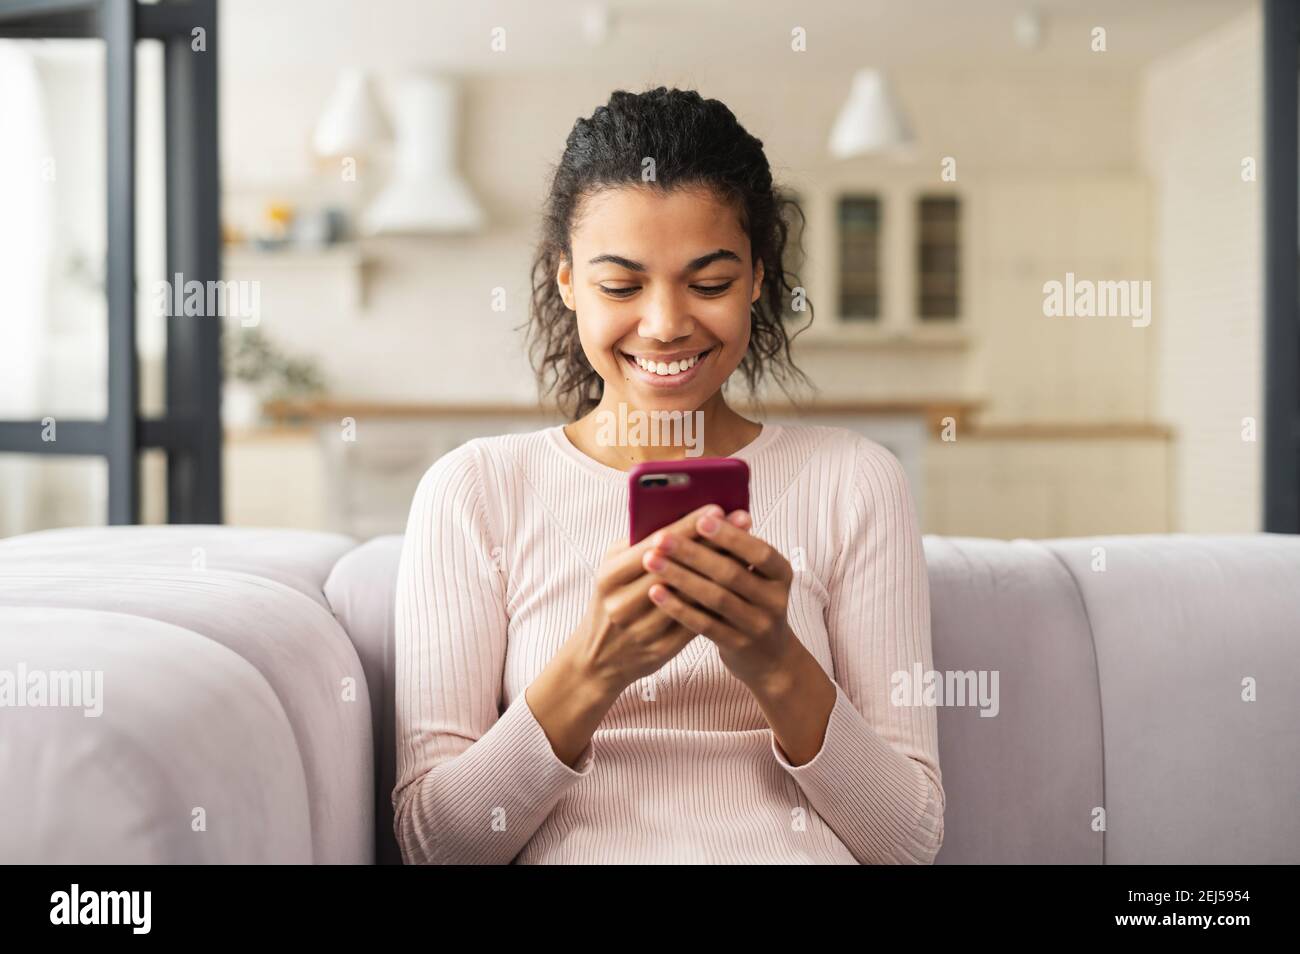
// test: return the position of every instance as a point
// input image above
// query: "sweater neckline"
(566, 447)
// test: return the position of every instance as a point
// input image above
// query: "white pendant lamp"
(870, 122)
(353, 121)
(427, 194)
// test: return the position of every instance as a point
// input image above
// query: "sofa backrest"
(1112, 728)
(362, 590)
(1023, 774)
(1197, 641)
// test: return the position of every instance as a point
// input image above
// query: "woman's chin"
(653, 403)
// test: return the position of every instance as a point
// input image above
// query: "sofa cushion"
(1021, 786)
(299, 559)
(362, 590)
(258, 594)
(186, 731)
(1194, 772)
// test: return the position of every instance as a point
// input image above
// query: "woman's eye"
(709, 290)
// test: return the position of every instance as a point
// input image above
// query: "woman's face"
(662, 288)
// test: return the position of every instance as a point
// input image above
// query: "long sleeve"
(473, 783)
(876, 780)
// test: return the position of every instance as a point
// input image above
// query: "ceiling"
(453, 35)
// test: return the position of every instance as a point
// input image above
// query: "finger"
(631, 599)
(625, 565)
(693, 618)
(741, 519)
(652, 623)
(718, 566)
(746, 547)
(706, 593)
(738, 518)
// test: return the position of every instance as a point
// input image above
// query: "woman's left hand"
(736, 595)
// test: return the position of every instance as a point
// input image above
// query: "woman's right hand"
(625, 636)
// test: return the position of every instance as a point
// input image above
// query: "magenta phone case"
(660, 493)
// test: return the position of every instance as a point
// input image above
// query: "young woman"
(720, 692)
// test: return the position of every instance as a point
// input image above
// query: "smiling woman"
(662, 208)
(564, 695)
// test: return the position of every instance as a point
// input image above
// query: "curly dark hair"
(695, 142)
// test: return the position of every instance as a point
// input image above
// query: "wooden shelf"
(935, 410)
(1070, 430)
(866, 334)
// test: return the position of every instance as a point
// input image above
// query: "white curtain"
(26, 199)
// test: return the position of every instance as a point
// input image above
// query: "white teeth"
(659, 367)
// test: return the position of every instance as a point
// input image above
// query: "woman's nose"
(665, 318)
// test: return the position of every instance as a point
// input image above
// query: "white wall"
(1201, 115)
(427, 332)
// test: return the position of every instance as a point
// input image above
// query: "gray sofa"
(1146, 708)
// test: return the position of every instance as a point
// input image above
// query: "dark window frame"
(919, 315)
(843, 315)
(190, 431)
(1281, 359)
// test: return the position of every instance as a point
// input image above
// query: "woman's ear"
(564, 282)
(758, 281)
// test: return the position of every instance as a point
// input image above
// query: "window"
(859, 239)
(938, 259)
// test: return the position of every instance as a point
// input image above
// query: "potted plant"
(254, 369)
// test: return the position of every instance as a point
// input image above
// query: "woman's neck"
(619, 435)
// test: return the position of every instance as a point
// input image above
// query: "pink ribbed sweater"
(501, 549)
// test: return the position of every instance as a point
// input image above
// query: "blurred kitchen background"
(383, 164)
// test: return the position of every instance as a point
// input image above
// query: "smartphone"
(660, 493)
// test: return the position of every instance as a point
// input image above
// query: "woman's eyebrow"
(694, 265)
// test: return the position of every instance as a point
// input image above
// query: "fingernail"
(709, 526)
(666, 543)
(714, 510)
(740, 518)
(658, 594)
(653, 561)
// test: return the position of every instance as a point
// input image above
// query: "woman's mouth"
(668, 370)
